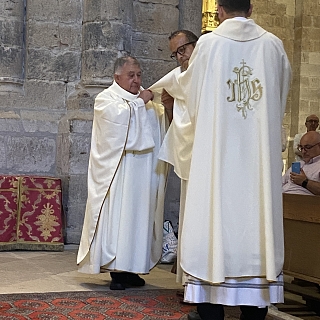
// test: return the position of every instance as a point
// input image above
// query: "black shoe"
(134, 280)
(121, 280)
(118, 280)
(116, 285)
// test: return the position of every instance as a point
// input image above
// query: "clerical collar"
(122, 92)
(240, 18)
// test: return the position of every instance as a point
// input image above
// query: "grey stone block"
(190, 16)
(80, 126)
(11, 33)
(33, 121)
(80, 99)
(78, 189)
(9, 114)
(50, 65)
(116, 10)
(40, 95)
(101, 10)
(97, 65)
(79, 153)
(171, 2)
(30, 154)
(151, 46)
(10, 125)
(45, 95)
(75, 216)
(153, 70)
(39, 126)
(43, 10)
(155, 18)
(54, 35)
(3, 154)
(71, 11)
(92, 10)
(55, 10)
(11, 61)
(106, 34)
(12, 9)
(63, 148)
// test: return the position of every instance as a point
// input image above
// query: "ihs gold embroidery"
(243, 89)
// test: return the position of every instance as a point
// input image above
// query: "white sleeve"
(140, 131)
(286, 177)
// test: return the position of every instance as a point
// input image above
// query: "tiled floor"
(38, 271)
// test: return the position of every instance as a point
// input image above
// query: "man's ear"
(221, 14)
(116, 77)
(249, 11)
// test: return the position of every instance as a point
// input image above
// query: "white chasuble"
(235, 91)
(124, 213)
(176, 148)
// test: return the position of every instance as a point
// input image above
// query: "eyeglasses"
(315, 121)
(306, 147)
(181, 50)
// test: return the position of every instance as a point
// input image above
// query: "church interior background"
(57, 55)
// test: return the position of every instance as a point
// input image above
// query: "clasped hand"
(298, 178)
(146, 95)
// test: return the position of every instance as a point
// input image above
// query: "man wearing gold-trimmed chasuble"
(235, 91)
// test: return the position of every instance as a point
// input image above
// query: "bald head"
(310, 145)
(312, 122)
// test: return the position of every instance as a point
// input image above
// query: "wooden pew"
(302, 236)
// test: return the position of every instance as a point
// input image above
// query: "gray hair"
(191, 37)
(120, 62)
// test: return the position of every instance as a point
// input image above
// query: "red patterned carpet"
(113, 305)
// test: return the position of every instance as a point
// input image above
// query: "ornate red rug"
(128, 304)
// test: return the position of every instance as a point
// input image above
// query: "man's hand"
(166, 100)
(146, 95)
(298, 178)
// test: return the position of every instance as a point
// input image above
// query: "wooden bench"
(302, 236)
(302, 246)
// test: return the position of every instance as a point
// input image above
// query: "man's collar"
(314, 159)
(122, 92)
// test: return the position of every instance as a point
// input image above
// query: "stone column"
(190, 15)
(12, 48)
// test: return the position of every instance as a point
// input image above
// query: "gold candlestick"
(209, 16)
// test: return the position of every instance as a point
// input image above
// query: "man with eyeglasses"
(235, 91)
(177, 145)
(312, 124)
(181, 44)
(308, 180)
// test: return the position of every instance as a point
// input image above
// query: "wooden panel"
(302, 248)
(302, 236)
(301, 207)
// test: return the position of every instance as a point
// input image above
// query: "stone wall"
(297, 23)
(56, 55)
